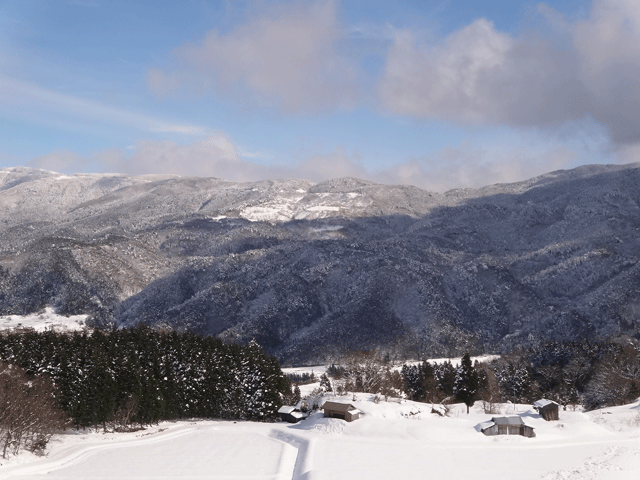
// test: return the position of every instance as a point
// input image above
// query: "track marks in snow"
(78, 453)
(303, 465)
(604, 466)
(226, 451)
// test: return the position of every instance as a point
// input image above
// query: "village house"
(290, 414)
(345, 411)
(548, 409)
(507, 426)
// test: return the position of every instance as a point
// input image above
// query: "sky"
(438, 94)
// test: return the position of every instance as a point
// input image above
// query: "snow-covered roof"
(485, 425)
(338, 407)
(355, 410)
(507, 421)
(543, 402)
(286, 409)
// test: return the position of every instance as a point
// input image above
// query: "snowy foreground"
(391, 440)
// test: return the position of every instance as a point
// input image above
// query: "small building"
(290, 414)
(507, 426)
(345, 411)
(548, 409)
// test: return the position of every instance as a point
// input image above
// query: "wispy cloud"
(217, 156)
(22, 98)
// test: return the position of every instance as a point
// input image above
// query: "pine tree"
(445, 376)
(514, 381)
(296, 395)
(325, 383)
(466, 382)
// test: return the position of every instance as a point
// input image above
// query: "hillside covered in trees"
(312, 271)
(141, 375)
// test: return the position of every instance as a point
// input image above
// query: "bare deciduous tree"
(368, 372)
(28, 413)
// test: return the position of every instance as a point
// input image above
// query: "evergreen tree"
(145, 375)
(514, 381)
(296, 395)
(325, 383)
(465, 387)
(446, 376)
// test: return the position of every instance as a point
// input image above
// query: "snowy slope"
(391, 440)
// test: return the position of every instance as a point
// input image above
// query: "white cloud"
(59, 161)
(585, 69)
(629, 153)
(287, 57)
(468, 167)
(608, 45)
(450, 81)
(217, 156)
(45, 105)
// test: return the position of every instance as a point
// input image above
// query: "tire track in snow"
(303, 468)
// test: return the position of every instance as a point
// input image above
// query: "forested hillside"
(311, 271)
(141, 375)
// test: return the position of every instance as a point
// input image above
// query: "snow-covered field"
(391, 440)
(43, 321)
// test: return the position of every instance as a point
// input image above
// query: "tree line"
(591, 374)
(587, 373)
(123, 377)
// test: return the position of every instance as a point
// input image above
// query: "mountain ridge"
(311, 270)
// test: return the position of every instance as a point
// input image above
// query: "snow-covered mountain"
(311, 270)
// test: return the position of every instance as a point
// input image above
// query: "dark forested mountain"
(312, 270)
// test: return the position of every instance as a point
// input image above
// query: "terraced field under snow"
(391, 440)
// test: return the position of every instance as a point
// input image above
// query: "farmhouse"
(547, 408)
(290, 414)
(345, 411)
(507, 426)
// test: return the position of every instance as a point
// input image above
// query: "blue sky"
(438, 94)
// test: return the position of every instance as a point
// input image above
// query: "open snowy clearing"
(44, 321)
(391, 440)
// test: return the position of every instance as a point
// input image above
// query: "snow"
(456, 361)
(327, 228)
(394, 439)
(286, 409)
(44, 321)
(323, 208)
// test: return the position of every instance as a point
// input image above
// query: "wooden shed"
(507, 426)
(345, 411)
(548, 409)
(290, 414)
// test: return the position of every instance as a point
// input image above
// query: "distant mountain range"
(313, 270)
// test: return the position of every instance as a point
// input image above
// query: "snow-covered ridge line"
(294, 263)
